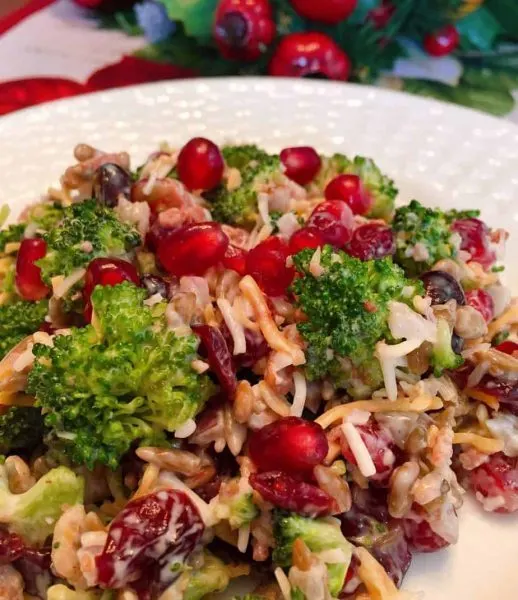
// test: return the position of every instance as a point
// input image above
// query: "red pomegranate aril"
(200, 164)
(289, 493)
(474, 235)
(140, 542)
(157, 233)
(483, 302)
(335, 222)
(235, 259)
(507, 347)
(442, 42)
(371, 241)
(290, 444)
(219, 357)
(28, 279)
(192, 249)
(349, 188)
(266, 263)
(495, 483)
(307, 237)
(421, 537)
(301, 163)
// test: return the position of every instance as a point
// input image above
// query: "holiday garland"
(464, 51)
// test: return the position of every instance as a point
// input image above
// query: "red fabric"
(15, 17)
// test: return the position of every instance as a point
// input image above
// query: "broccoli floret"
(380, 187)
(212, 577)
(21, 428)
(443, 357)
(347, 311)
(18, 320)
(46, 215)
(318, 535)
(430, 228)
(34, 513)
(128, 378)
(239, 206)
(13, 233)
(85, 222)
(242, 511)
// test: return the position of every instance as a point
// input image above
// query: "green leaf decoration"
(479, 30)
(506, 13)
(197, 16)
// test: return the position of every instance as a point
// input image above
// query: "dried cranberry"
(111, 181)
(290, 444)
(334, 221)
(144, 538)
(507, 347)
(301, 163)
(371, 241)
(349, 188)
(381, 447)
(28, 279)
(256, 347)
(219, 356)
(34, 567)
(192, 249)
(442, 42)
(474, 235)
(483, 302)
(11, 547)
(266, 263)
(307, 237)
(421, 537)
(289, 493)
(504, 390)
(235, 259)
(497, 480)
(154, 284)
(200, 164)
(441, 287)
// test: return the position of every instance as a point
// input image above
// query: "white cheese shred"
(243, 538)
(299, 397)
(284, 583)
(359, 450)
(237, 330)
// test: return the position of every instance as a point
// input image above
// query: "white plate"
(438, 153)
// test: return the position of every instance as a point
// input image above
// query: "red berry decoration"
(309, 53)
(381, 15)
(349, 188)
(442, 42)
(266, 263)
(291, 444)
(301, 164)
(334, 221)
(325, 11)
(370, 241)
(243, 28)
(200, 164)
(28, 279)
(307, 237)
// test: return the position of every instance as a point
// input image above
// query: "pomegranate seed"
(219, 357)
(381, 447)
(28, 279)
(266, 263)
(421, 537)
(290, 444)
(200, 164)
(483, 302)
(301, 163)
(498, 479)
(334, 221)
(349, 188)
(507, 347)
(289, 493)
(235, 259)
(106, 271)
(442, 42)
(370, 241)
(157, 233)
(140, 545)
(192, 249)
(474, 235)
(441, 287)
(256, 347)
(307, 237)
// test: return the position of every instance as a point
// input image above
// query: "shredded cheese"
(315, 268)
(186, 429)
(419, 404)
(273, 336)
(390, 357)
(491, 401)
(262, 207)
(67, 283)
(359, 450)
(510, 317)
(299, 397)
(169, 480)
(236, 329)
(277, 403)
(284, 583)
(482, 444)
(379, 585)
(243, 538)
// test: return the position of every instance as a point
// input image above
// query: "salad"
(226, 362)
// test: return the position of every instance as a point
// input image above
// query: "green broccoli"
(443, 357)
(430, 228)
(257, 168)
(45, 215)
(13, 233)
(34, 513)
(128, 378)
(21, 428)
(380, 187)
(85, 222)
(318, 535)
(213, 576)
(18, 320)
(347, 311)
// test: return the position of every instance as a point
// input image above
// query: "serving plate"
(440, 154)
